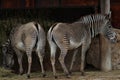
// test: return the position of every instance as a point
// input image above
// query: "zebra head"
(109, 32)
(8, 60)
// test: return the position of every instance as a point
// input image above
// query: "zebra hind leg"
(29, 55)
(73, 60)
(41, 62)
(61, 59)
(52, 58)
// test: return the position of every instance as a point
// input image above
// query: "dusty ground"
(90, 75)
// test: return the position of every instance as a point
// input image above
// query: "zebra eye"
(109, 26)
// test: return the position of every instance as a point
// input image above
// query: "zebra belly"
(74, 44)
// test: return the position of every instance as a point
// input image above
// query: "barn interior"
(47, 12)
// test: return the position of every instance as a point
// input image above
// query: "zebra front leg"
(73, 60)
(83, 54)
(61, 59)
(19, 56)
(41, 62)
(20, 64)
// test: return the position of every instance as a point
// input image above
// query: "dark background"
(23, 4)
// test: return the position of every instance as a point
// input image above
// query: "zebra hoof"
(56, 77)
(44, 75)
(70, 72)
(28, 76)
(68, 76)
(21, 73)
(83, 73)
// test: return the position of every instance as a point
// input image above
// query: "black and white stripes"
(98, 23)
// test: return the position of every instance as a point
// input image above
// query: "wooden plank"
(79, 2)
(115, 8)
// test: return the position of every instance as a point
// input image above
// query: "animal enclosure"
(47, 12)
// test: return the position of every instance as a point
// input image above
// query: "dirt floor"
(90, 75)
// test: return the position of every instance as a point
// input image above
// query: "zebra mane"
(91, 20)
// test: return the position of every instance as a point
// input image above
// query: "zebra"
(69, 36)
(27, 38)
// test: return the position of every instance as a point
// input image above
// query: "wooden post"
(60, 2)
(29, 3)
(105, 48)
(105, 6)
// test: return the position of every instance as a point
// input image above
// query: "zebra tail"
(49, 35)
(37, 26)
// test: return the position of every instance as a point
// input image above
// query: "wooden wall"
(45, 3)
(115, 8)
(115, 5)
